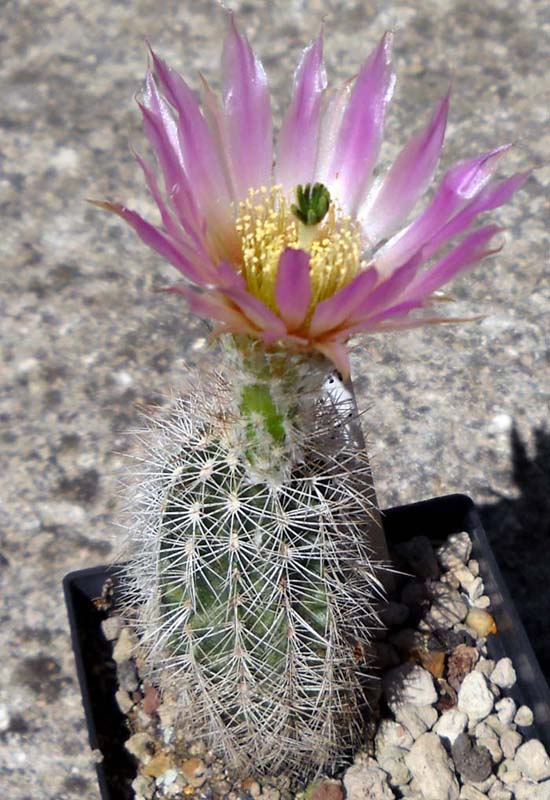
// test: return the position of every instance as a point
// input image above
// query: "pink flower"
(342, 260)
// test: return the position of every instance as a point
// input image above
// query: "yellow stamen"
(266, 226)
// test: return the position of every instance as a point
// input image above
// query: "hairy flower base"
(255, 599)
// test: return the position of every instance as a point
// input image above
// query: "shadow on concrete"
(519, 531)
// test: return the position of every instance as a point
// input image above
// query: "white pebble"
(448, 608)
(510, 741)
(62, 513)
(364, 779)
(124, 701)
(409, 683)
(482, 602)
(524, 717)
(111, 627)
(485, 786)
(414, 718)
(392, 734)
(143, 786)
(485, 666)
(526, 790)
(508, 772)
(532, 759)
(431, 767)
(125, 645)
(492, 744)
(499, 792)
(504, 674)
(506, 709)
(456, 550)
(472, 585)
(474, 697)
(141, 745)
(496, 724)
(450, 724)
(392, 761)
(471, 793)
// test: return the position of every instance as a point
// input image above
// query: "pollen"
(266, 225)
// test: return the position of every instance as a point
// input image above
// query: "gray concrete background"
(85, 341)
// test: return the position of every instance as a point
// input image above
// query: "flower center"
(267, 224)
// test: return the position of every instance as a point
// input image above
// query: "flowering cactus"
(248, 563)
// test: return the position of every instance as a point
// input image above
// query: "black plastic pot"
(436, 519)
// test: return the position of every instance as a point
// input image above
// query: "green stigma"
(312, 203)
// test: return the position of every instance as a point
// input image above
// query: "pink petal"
(407, 179)
(213, 113)
(300, 130)
(213, 305)
(187, 261)
(331, 313)
(471, 250)
(490, 197)
(256, 311)
(161, 131)
(413, 295)
(159, 110)
(227, 278)
(198, 148)
(247, 120)
(168, 221)
(293, 287)
(459, 185)
(388, 291)
(333, 105)
(360, 134)
(338, 354)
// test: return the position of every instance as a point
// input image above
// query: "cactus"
(248, 564)
(249, 560)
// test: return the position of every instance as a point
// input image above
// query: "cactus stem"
(256, 399)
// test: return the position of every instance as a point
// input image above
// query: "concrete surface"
(85, 341)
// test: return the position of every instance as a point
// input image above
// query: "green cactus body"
(250, 569)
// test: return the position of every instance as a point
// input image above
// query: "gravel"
(111, 628)
(411, 684)
(524, 717)
(444, 726)
(450, 724)
(532, 759)
(365, 780)
(431, 767)
(475, 698)
(504, 674)
(510, 741)
(506, 710)
(455, 552)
